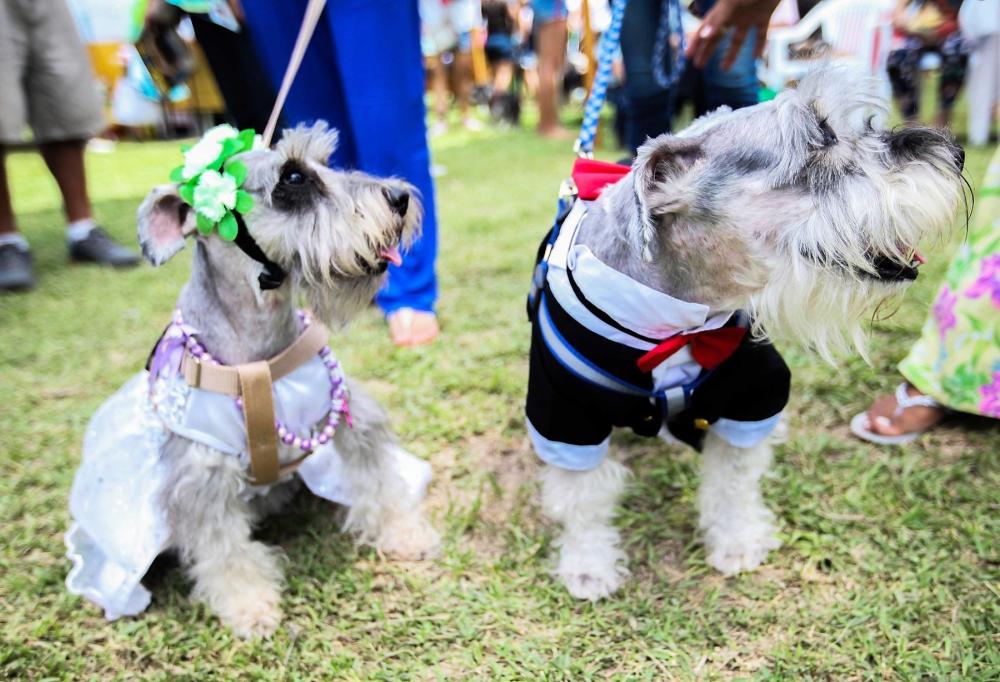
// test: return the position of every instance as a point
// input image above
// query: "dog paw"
(592, 574)
(595, 584)
(251, 616)
(409, 538)
(733, 552)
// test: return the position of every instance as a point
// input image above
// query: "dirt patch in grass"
(487, 480)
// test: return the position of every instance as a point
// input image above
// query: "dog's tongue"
(392, 255)
(919, 257)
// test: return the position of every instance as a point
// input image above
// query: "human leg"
(954, 66)
(385, 81)
(15, 258)
(983, 69)
(64, 111)
(736, 87)
(245, 85)
(65, 161)
(551, 32)
(650, 106)
(903, 66)
(7, 223)
(439, 88)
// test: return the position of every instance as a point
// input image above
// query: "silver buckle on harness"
(567, 189)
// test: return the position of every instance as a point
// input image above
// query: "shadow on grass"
(308, 532)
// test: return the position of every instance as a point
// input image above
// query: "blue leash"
(670, 26)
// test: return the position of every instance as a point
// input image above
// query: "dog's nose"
(959, 155)
(399, 199)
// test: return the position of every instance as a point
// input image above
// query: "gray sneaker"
(15, 268)
(99, 247)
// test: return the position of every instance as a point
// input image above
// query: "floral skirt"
(957, 359)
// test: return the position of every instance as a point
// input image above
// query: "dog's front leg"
(239, 579)
(385, 513)
(591, 564)
(738, 528)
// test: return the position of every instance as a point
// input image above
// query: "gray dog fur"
(780, 210)
(327, 235)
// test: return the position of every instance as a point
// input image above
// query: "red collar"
(591, 176)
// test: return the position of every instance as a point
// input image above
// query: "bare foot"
(556, 132)
(409, 327)
(884, 419)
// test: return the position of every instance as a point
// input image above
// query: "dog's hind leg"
(591, 564)
(239, 579)
(738, 528)
(385, 512)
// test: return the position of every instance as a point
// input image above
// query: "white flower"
(206, 150)
(214, 194)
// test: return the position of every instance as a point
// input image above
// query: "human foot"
(99, 247)
(409, 327)
(15, 268)
(899, 418)
(554, 133)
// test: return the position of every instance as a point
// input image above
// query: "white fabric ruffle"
(119, 523)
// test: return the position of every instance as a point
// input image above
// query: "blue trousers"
(650, 106)
(363, 73)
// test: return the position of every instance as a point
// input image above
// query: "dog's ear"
(316, 142)
(660, 169)
(164, 221)
(664, 183)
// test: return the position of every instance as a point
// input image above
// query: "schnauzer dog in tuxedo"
(654, 300)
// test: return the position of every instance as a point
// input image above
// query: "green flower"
(207, 151)
(214, 195)
(210, 179)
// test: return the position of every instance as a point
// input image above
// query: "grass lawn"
(889, 567)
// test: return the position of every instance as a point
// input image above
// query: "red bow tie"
(591, 176)
(708, 348)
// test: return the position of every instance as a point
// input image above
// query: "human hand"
(237, 7)
(153, 10)
(741, 16)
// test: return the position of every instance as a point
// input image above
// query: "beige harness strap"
(258, 410)
(253, 383)
(225, 379)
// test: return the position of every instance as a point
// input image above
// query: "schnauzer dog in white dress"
(166, 465)
(654, 300)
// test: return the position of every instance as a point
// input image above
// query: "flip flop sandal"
(861, 424)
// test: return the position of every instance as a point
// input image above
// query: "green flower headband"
(209, 181)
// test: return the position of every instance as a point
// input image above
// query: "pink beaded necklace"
(339, 399)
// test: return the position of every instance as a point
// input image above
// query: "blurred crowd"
(375, 67)
(485, 60)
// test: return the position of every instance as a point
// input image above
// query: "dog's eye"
(292, 177)
(829, 137)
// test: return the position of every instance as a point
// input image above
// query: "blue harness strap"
(541, 270)
(672, 401)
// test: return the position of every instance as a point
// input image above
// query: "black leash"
(274, 275)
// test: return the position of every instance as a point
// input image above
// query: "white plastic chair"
(857, 31)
